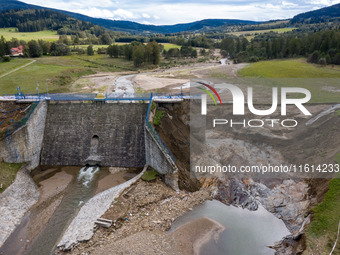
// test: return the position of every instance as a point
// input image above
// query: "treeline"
(138, 52)
(322, 47)
(183, 52)
(5, 49)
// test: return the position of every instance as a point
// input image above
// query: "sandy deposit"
(54, 185)
(149, 82)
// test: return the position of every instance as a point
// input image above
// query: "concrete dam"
(90, 133)
(95, 133)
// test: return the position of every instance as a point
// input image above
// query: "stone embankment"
(15, 202)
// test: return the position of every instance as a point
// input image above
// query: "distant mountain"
(133, 27)
(322, 15)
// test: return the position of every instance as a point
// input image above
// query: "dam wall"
(108, 134)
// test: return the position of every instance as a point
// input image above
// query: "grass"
(95, 47)
(8, 173)
(296, 73)
(168, 46)
(337, 114)
(9, 33)
(251, 34)
(6, 67)
(158, 118)
(149, 175)
(322, 231)
(57, 72)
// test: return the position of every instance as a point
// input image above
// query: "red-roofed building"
(16, 52)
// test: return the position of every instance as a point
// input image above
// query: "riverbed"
(63, 191)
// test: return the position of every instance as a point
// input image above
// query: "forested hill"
(322, 15)
(40, 19)
(132, 27)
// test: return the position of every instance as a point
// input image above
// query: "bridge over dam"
(90, 132)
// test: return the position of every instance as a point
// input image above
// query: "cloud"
(124, 14)
(180, 11)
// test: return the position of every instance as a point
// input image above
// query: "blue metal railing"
(148, 111)
(154, 133)
(93, 96)
(159, 140)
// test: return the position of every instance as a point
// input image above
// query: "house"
(16, 52)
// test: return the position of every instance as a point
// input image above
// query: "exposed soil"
(146, 207)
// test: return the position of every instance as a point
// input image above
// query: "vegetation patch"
(337, 114)
(158, 118)
(8, 172)
(337, 158)
(322, 231)
(149, 175)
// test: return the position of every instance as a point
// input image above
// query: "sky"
(168, 12)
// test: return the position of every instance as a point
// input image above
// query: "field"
(9, 33)
(297, 73)
(251, 34)
(168, 46)
(8, 173)
(15, 63)
(57, 72)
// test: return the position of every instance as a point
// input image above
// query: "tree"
(59, 49)
(156, 54)
(34, 49)
(106, 39)
(128, 51)
(90, 50)
(138, 55)
(113, 51)
(45, 46)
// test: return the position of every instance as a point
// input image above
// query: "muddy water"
(86, 182)
(246, 232)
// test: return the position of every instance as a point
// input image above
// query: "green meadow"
(6, 67)
(58, 73)
(251, 34)
(9, 33)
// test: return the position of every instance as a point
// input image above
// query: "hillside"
(34, 20)
(133, 27)
(322, 15)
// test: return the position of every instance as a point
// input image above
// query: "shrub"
(158, 117)
(149, 175)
